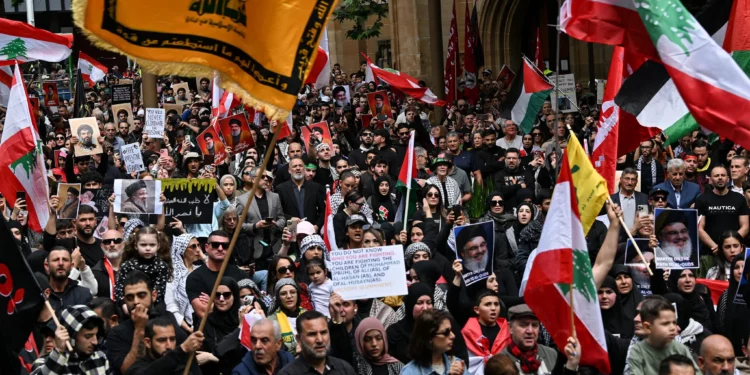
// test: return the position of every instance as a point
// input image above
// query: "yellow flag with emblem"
(263, 50)
(591, 188)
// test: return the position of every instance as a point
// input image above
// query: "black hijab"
(733, 315)
(613, 318)
(630, 300)
(222, 323)
(699, 311)
(378, 200)
(428, 272)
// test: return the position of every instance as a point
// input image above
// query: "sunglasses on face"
(433, 195)
(660, 198)
(216, 245)
(59, 137)
(224, 295)
(367, 134)
(109, 241)
(283, 270)
(497, 203)
(193, 246)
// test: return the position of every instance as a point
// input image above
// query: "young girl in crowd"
(143, 252)
(321, 287)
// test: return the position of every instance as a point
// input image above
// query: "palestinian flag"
(715, 89)
(737, 39)
(650, 93)
(529, 93)
(560, 266)
(407, 184)
(22, 42)
(91, 69)
(401, 82)
(21, 159)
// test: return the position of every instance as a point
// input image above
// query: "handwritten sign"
(154, 122)
(131, 155)
(100, 199)
(369, 273)
(122, 94)
(189, 200)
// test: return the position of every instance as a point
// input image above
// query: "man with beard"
(722, 210)
(700, 149)
(210, 149)
(691, 170)
(110, 135)
(340, 96)
(313, 337)
(325, 174)
(163, 356)
(236, 135)
(105, 271)
(107, 310)
(63, 291)
(513, 177)
(379, 105)
(652, 171)
(204, 89)
(124, 341)
(70, 207)
(80, 327)
(266, 356)
(137, 198)
(181, 98)
(294, 150)
(300, 198)
(192, 165)
(87, 243)
(716, 356)
(85, 137)
(676, 246)
(357, 156)
(490, 158)
(472, 243)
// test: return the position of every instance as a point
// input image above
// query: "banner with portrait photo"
(475, 247)
(69, 196)
(341, 96)
(236, 133)
(210, 144)
(203, 86)
(315, 134)
(506, 77)
(51, 97)
(739, 299)
(123, 113)
(677, 233)
(191, 200)
(34, 105)
(138, 196)
(380, 106)
(170, 108)
(98, 199)
(87, 131)
(368, 273)
(182, 93)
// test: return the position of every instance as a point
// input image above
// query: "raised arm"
(607, 252)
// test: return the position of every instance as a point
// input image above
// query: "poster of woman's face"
(475, 246)
(138, 196)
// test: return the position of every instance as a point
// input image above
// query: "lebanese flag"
(713, 86)
(559, 266)
(329, 235)
(246, 328)
(320, 73)
(613, 22)
(529, 94)
(471, 89)
(452, 60)
(604, 156)
(22, 42)
(402, 82)
(6, 81)
(91, 70)
(21, 159)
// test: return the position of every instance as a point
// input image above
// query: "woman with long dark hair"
(431, 346)
(283, 267)
(730, 246)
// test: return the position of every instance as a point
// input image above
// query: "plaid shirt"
(57, 363)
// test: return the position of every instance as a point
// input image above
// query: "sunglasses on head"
(283, 270)
(224, 295)
(109, 241)
(216, 245)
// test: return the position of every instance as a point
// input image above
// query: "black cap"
(656, 191)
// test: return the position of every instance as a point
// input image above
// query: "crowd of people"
(131, 298)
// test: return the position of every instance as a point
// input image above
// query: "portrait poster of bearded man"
(677, 233)
(87, 132)
(69, 195)
(236, 133)
(138, 196)
(475, 247)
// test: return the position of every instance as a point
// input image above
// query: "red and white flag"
(91, 70)
(402, 82)
(22, 42)
(320, 73)
(329, 235)
(560, 266)
(21, 158)
(538, 59)
(451, 62)
(471, 88)
(604, 155)
(6, 81)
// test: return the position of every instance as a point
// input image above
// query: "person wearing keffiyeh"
(80, 326)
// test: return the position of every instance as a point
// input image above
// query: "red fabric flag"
(451, 60)
(471, 90)
(538, 60)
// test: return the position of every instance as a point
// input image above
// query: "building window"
(383, 56)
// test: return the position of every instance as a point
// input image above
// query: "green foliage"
(359, 11)
(16, 2)
(477, 204)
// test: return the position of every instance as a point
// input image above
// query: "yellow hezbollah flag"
(591, 188)
(262, 49)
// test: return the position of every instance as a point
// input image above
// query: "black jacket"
(314, 202)
(102, 279)
(172, 363)
(73, 294)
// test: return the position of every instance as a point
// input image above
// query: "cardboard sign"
(131, 155)
(379, 105)
(122, 94)
(369, 273)
(210, 144)
(87, 132)
(568, 87)
(173, 108)
(123, 113)
(51, 98)
(34, 105)
(744, 277)
(315, 134)
(506, 77)
(182, 93)
(190, 200)
(677, 232)
(155, 122)
(138, 196)
(236, 133)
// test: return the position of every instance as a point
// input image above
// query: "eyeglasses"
(283, 270)
(497, 203)
(230, 218)
(358, 203)
(246, 174)
(193, 246)
(367, 134)
(433, 195)
(216, 245)
(60, 137)
(536, 134)
(109, 241)
(446, 333)
(224, 295)
(660, 198)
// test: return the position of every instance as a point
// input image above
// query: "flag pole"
(553, 84)
(408, 183)
(572, 311)
(235, 235)
(557, 84)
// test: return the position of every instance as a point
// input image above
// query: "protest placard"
(87, 131)
(131, 155)
(368, 273)
(677, 232)
(744, 277)
(70, 200)
(122, 94)
(123, 113)
(154, 122)
(99, 198)
(138, 196)
(475, 246)
(189, 200)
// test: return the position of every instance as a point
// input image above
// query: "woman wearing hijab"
(371, 356)
(683, 283)
(185, 251)
(428, 273)
(285, 310)
(381, 201)
(628, 295)
(612, 317)
(417, 301)
(222, 330)
(733, 317)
